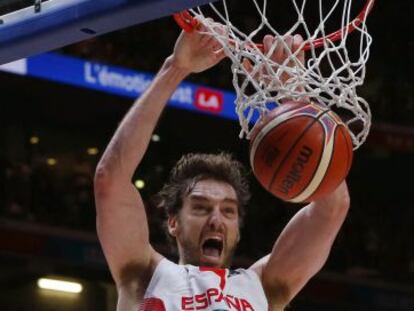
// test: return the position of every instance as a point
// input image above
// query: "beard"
(190, 253)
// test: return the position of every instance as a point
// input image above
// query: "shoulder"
(135, 278)
(167, 274)
(166, 267)
(277, 294)
(246, 279)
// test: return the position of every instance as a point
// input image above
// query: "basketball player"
(204, 199)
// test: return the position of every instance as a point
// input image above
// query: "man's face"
(207, 226)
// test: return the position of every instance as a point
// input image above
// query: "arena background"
(52, 135)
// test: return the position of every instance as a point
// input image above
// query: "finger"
(287, 50)
(202, 31)
(268, 41)
(297, 44)
(219, 28)
(247, 65)
(212, 44)
(219, 55)
(199, 36)
(277, 54)
(208, 33)
(202, 26)
(207, 41)
(217, 46)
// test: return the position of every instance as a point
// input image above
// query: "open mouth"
(212, 247)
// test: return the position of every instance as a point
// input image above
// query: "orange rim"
(188, 23)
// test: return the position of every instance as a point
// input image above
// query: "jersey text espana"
(189, 288)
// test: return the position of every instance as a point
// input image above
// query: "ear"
(172, 225)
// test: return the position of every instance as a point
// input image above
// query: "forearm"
(193, 52)
(304, 245)
(121, 220)
(130, 141)
(314, 228)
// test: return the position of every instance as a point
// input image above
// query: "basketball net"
(333, 70)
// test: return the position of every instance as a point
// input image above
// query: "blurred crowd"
(40, 192)
(374, 243)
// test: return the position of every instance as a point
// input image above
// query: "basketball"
(300, 152)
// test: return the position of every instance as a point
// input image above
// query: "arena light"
(34, 140)
(140, 184)
(59, 285)
(156, 138)
(51, 161)
(92, 151)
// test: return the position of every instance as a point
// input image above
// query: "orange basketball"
(300, 152)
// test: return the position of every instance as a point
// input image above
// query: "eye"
(200, 209)
(230, 211)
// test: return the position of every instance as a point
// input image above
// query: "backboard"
(51, 24)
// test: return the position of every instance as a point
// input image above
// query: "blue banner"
(123, 82)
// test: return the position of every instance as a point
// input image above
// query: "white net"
(330, 75)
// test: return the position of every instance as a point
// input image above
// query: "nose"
(215, 222)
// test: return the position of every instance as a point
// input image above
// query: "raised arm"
(121, 221)
(303, 247)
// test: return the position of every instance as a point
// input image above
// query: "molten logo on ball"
(295, 172)
(270, 156)
(300, 152)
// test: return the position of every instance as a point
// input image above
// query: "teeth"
(214, 238)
